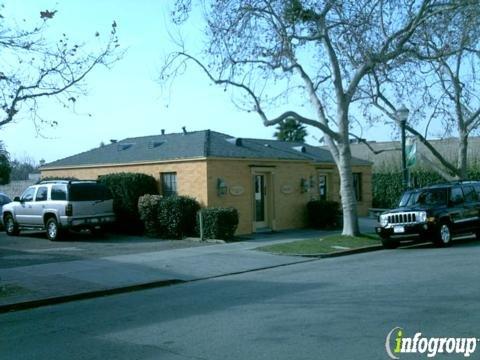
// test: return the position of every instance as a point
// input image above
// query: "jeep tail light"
(69, 210)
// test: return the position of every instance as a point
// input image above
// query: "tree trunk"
(347, 192)
(462, 153)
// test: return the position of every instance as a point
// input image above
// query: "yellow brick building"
(268, 181)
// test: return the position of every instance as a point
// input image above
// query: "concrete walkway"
(41, 282)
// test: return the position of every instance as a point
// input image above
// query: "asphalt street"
(339, 308)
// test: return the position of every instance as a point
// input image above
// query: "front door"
(260, 184)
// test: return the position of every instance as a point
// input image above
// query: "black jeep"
(436, 213)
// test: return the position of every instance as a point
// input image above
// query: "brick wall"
(286, 199)
(191, 175)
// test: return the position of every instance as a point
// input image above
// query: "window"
(42, 193)
(477, 189)
(432, 197)
(322, 187)
(169, 184)
(89, 191)
(357, 185)
(470, 194)
(456, 195)
(28, 194)
(59, 192)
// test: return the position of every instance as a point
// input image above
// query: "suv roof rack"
(64, 181)
(456, 182)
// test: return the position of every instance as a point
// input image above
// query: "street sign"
(411, 152)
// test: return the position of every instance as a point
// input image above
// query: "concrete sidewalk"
(39, 284)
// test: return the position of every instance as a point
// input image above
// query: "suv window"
(432, 197)
(42, 193)
(89, 192)
(456, 195)
(408, 198)
(470, 194)
(59, 192)
(28, 194)
(477, 189)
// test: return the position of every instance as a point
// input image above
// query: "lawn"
(324, 245)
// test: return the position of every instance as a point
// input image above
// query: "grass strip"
(325, 245)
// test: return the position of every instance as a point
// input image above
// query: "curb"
(85, 295)
(32, 304)
(361, 250)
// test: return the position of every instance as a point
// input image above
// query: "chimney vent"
(301, 149)
(154, 144)
(235, 141)
(184, 130)
(163, 131)
(124, 146)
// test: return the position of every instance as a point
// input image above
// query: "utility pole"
(402, 116)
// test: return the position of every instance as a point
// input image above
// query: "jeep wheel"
(53, 231)
(11, 227)
(444, 235)
(388, 243)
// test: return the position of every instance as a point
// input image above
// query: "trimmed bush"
(148, 211)
(323, 214)
(126, 189)
(219, 223)
(171, 217)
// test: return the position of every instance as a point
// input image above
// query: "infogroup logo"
(397, 343)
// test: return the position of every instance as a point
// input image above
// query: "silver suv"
(60, 205)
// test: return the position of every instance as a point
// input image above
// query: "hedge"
(172, 217)
(388, 187)
(126, 189)
(219, 223)
(323, 214)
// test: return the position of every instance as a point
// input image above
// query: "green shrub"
(171, 217)
(323, 214)
(148, 211)
(219, 223)
(388, 187)
(126, 189)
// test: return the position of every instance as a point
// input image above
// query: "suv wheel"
(11, 227)
(53, 231)
(444, 235)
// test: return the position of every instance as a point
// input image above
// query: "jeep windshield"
(429, 197)
(89, 192)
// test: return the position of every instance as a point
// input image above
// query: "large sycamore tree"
(36, 66)
(441, 85)
(314, 51)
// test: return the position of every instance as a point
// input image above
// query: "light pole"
(402, 116)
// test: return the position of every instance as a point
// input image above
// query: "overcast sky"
(127, 100)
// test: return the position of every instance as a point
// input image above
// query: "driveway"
(33, 248)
